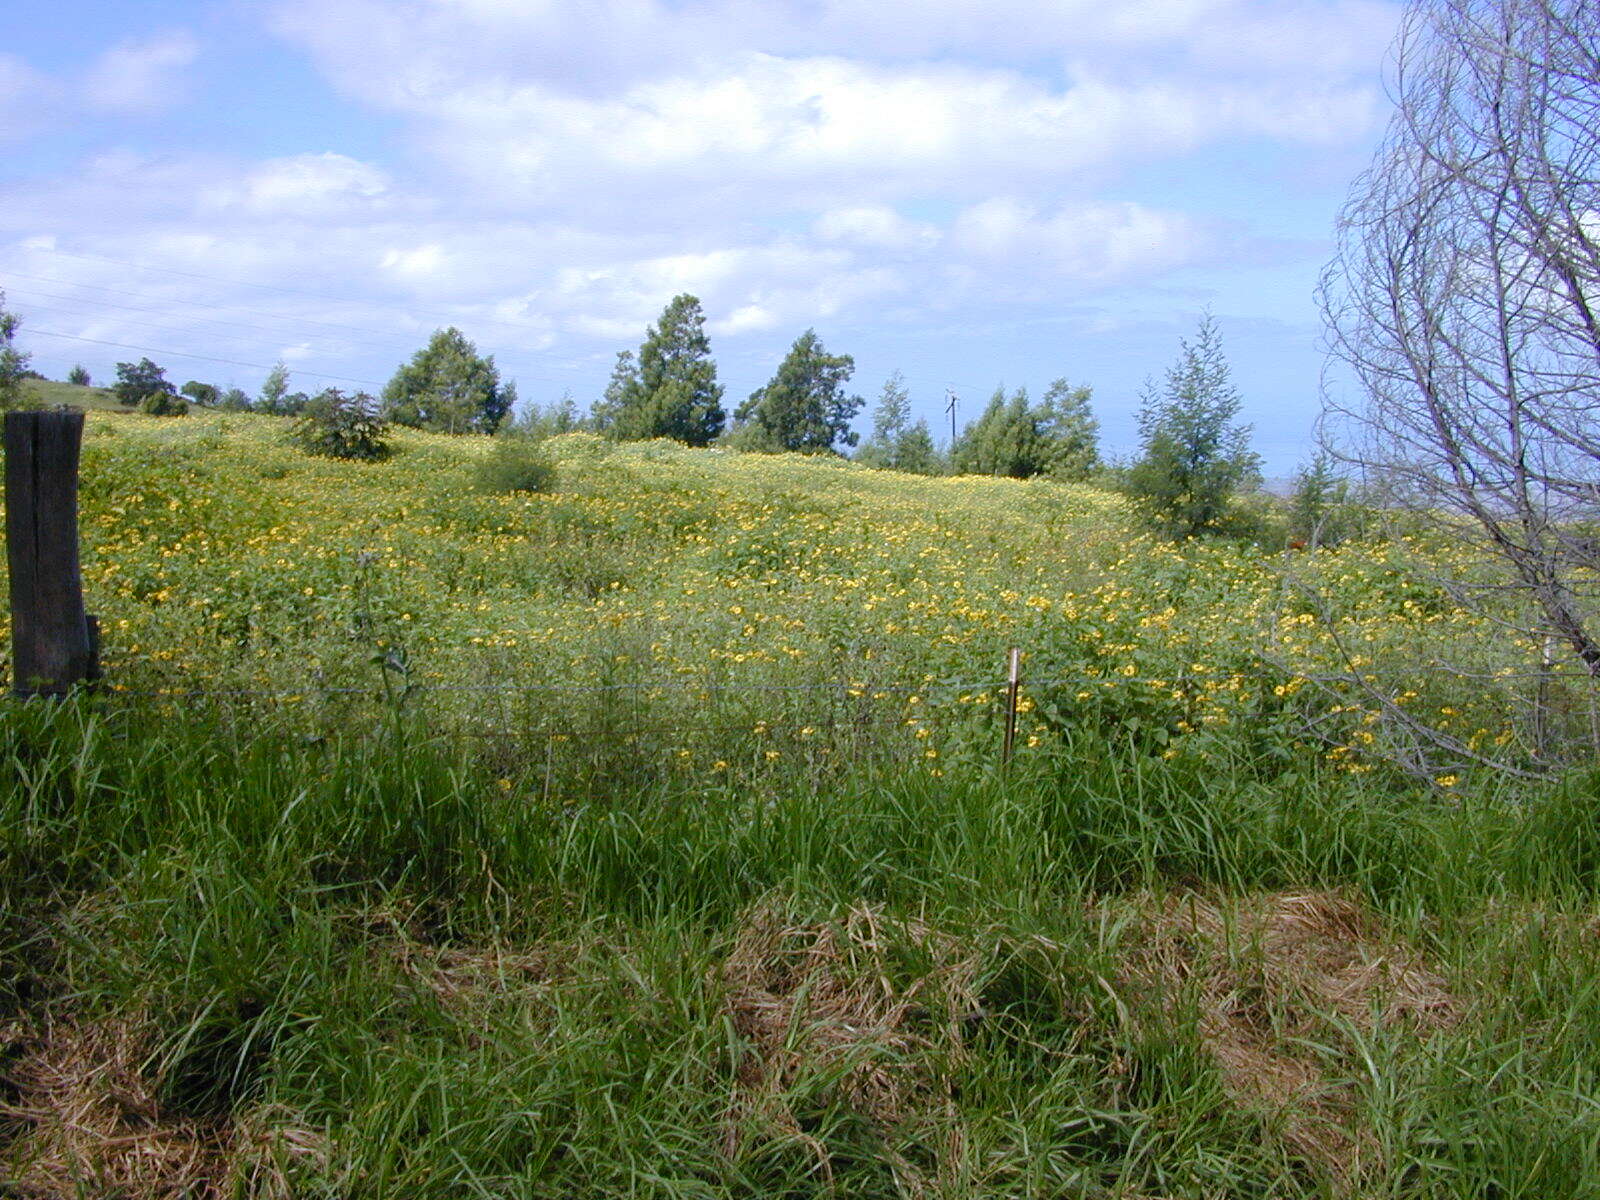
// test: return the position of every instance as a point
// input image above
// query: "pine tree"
(79, 376)
(1194, 456)
(673, 392)
(889, 419)
(448, 387)
(803, 407)
(607, 412)
(1070, 428)
(915, 452)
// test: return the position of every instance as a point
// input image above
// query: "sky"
(973, 195)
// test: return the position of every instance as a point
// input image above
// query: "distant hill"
(52, 393)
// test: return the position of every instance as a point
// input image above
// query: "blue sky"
(974, 195)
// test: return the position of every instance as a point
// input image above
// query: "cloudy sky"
(973, 194)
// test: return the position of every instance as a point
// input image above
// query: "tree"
(449, 388)
(275, 397)
(1464, 298)
(335, 425)
(207, 395)
(915, 452)
(144, 385)
(79, 376)
(13, 362)
(1071, 431)
(623, 386)
(672, 391)
(1194, 456)
(537, 422)
(234, 400)
(890, 417)
(804, 406)
(1017, 438)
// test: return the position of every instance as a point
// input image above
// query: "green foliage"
(144, 386)
(207, 395)
(1071, 432)
(1194, 456)
(516, 462)
(537, 422)
(671, 391)
(608, 411)
(235, 400)
(1019, 439)
(79, 376)
(804, 406)
(13, 362)
(448, 387)
(334, 425)
(275, 397)
(896, 444)
(1322, 510)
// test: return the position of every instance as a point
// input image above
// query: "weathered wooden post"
(54, 643)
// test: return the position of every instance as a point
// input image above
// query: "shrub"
(334, 425)
(164, 404)
(145, 386)
(516, 464)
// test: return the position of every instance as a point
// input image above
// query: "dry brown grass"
(1279, 980)
(823, 1000)
(88, 1122)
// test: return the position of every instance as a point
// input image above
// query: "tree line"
(1194, 454)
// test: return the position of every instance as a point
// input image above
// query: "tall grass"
(380, 964)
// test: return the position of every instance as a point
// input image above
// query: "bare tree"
(1465, 299)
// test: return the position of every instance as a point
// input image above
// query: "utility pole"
(950, 395)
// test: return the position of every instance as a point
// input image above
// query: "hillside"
(648, 837)
(50, 393)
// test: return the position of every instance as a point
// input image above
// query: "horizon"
(1041, 191)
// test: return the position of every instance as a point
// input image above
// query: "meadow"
(648, 837)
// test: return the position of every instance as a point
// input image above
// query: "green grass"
(404, 978)
(734, 901)
(50, 393)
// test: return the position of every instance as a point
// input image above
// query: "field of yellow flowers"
(677, 597)
(643, 838)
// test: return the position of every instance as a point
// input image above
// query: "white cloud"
(874, 226)
(1092, 243)
(144, 75)
(307, 184)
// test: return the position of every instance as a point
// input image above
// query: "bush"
(334, 425)
(164, 404)
(516, 464)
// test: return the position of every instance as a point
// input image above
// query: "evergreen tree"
(803, 406)
(448, 387)
(1070, 428)
(13, 362)
(673, 392)
(607, 412)
(79, 376)
(235, 400)
(1193, 454)
(915, 452)
(274, 395)
(889, 418)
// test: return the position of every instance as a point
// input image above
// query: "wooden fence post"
(54, 643)
(1013, 683)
